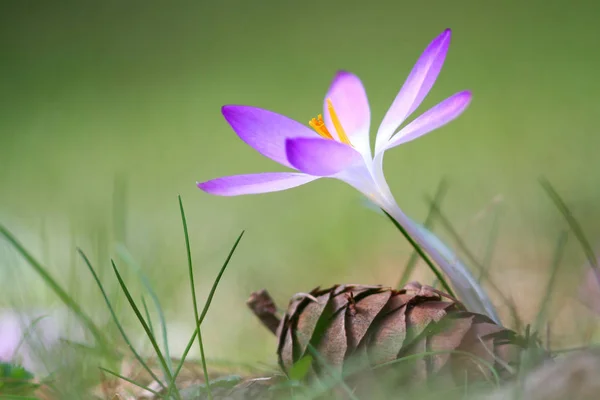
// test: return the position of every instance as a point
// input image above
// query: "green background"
(109, 110)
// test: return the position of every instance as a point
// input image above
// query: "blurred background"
(109, 110)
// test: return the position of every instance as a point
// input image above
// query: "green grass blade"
(205, 309)
(108, 371)
(129, 260)
(422, 254)
(147, 312)
(483, 361)
(116, 320)
(27, 334)
(412, 261)
(556, 260)
(573, 224)
(488, 255)
(138, 314)
(58, 290)
(194, 300)
(338, 377)
(119, 209)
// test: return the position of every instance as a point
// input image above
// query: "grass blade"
(108, 371)
(337, 377)
(129, 260)
(27, 334)
(116, 320)
(412, 261)
(205, 309)
(558, 255)
(140, 318)
(573, 224)
(147, 312)
(58, 290)
(488, 255)
(194, 300)
(424, 256)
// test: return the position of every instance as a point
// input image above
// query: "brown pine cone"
(353, 326)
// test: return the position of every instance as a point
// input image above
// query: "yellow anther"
(336, 122)
(319, 126)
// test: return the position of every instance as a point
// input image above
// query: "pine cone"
(369, 326)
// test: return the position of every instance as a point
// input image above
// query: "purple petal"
(415, 88)
(254, 183)
(321, 157)
(432, 119)
(351, 105)
(265, 130)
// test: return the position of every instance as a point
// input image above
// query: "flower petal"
(432, 119)
(321, 157)
(264, 130)
(255, 183)
(351, 105)
(415, 88)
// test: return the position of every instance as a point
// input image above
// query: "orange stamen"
(319, 126)
(336, 122)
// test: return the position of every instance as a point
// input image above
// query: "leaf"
(16, 380)
(300, 369)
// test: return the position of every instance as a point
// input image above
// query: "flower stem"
(467, 287)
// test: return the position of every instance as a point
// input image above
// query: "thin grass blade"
(147, 312)
(108, 371)
(488, 254)
(556, 261)
(116, 320)
(27, 334)
(206, 307)
(573, 223)
(58, 290)
(138, 314)
(337, 377)
(129, 260)
(194, 300)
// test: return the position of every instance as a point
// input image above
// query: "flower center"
(319, 125)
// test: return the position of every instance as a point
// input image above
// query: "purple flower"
(336, 145)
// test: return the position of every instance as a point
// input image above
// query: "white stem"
(467, 287)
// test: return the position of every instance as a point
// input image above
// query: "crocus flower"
(336, 145)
